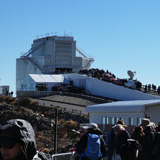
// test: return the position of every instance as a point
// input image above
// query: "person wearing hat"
(122, 123)
(148, 141)
(82, 144)
(94, 125)
(120, 139)
(17, 141)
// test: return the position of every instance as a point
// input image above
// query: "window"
(22, 86)
(109, 120)
(116, 120)
(130, 121)
(103, 123)
(139, 121)
(113, 120)
(103, 120)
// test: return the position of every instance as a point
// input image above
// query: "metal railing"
(64, 156)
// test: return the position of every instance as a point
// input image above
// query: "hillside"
(42, 117)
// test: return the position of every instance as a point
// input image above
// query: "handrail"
(64, 154)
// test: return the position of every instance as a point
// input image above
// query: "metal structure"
(64, 156)
(49, 55)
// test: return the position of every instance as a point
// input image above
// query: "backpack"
(93, 151)
(133, 148)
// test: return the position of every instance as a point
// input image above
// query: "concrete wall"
(110, 90)
(106, 89)
(23, 68)
(35, 94)
(153, 112)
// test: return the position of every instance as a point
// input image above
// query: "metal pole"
(55, 133)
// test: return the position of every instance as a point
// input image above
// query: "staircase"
(27, 54)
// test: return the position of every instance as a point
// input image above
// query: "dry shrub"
(10, 100)
(13, 103)
(24, 101)
(71, 124)
(61, 121)
(1, 98)
(62, 132)
(6, 98)
(34, 103)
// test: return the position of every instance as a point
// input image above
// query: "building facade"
(132, 112)
(51, 55)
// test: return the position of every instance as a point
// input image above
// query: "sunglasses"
(7, 146)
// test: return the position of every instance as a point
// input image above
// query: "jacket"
(22, 131)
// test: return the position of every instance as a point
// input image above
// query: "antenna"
(131, 74)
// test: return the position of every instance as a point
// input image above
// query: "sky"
(120, 35)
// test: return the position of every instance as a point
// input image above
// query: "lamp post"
(55, 133)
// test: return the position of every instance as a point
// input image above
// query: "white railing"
(63, 156)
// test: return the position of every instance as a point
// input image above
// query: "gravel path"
(72, 101)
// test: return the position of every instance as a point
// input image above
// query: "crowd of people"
(17, 142)
(142, 144)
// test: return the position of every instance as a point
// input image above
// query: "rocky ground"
(42, 119)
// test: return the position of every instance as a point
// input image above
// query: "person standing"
(17, 141)
(148, 141)
(84, 144)
(120, 147)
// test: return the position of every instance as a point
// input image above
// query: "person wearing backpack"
(91, 145)
(138, 135)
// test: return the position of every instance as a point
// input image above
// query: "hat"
(146, 122)
(118, 127)
(94, 125)
(8, 141)
(8, 136)
(122, 123)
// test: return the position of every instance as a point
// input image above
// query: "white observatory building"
(49, 55)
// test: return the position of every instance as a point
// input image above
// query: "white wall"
(153, 112)
(102, 88)
(106, 89)
(23, 68)
(97, 117)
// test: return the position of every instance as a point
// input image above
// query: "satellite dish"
(131, 74)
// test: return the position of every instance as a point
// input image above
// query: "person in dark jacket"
(138, 135)
(156, 149)
(148, 141)
(121, 136)
(82, 144)
(17, 141)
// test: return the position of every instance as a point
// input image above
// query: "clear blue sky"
(121, 35)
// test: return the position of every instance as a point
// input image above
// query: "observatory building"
(49, 55)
